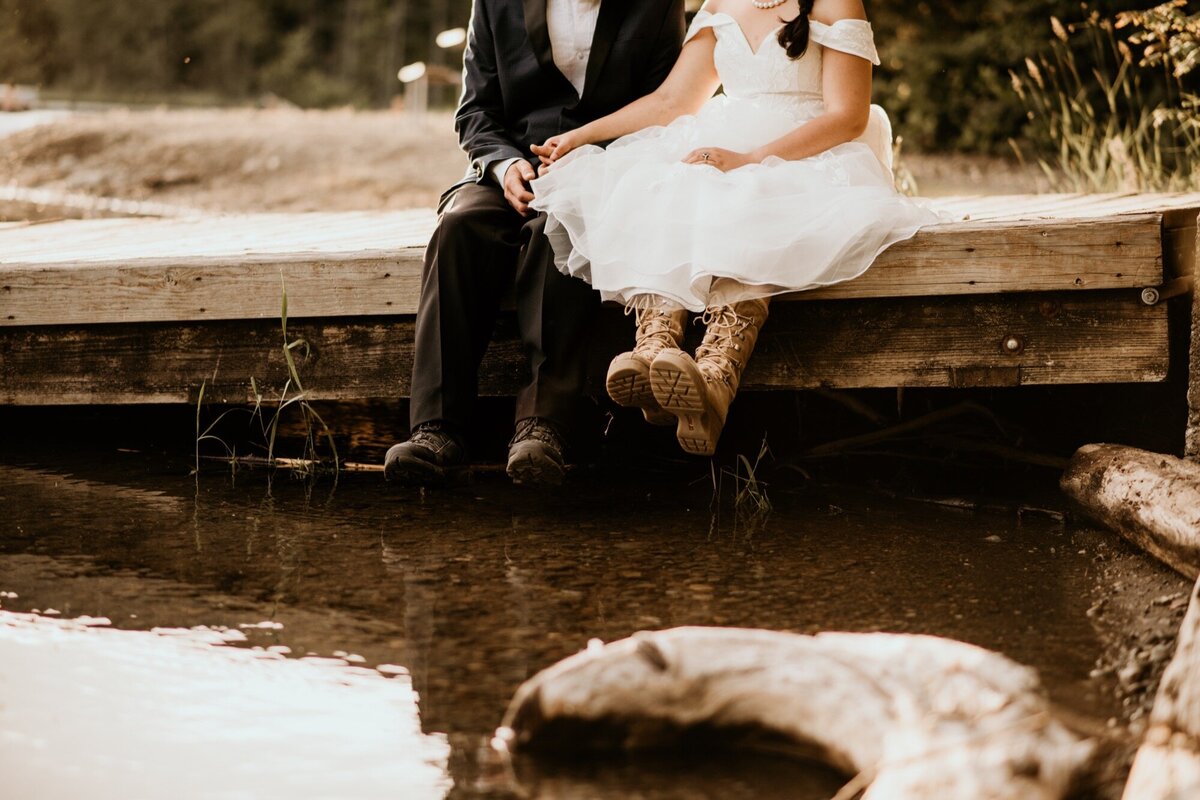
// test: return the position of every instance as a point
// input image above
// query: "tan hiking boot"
(699, 391)
(628, 382)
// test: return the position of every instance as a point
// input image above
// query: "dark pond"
(468, 592)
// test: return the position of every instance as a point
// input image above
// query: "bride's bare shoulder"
(830, 11)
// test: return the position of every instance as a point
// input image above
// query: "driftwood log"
(1167, 766)
(909, 716)
(1152, 500)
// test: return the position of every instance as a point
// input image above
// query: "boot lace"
(654, 329)
(539, 429)
(431, 435)
(724, 332)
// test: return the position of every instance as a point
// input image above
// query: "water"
(17, 121)
(463, 594)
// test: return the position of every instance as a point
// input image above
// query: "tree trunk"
(911, 716)
(1152, 500)
(1168, 764)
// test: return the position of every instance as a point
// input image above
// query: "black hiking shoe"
(432, 456)
(535, 454)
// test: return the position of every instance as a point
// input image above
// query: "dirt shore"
(242, 160)
(291, 160)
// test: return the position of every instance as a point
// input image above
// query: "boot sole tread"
(677, 392)
(674, 389)
(415, 472)
(527, 469)
(629, 387)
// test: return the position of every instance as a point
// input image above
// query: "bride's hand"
(558, 146)
(724, 160)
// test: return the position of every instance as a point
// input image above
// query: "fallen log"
(909, 716)
(1167, 765)
(1152, 500)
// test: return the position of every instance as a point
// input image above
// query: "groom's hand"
(516, 186)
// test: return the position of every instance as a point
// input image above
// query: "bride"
(715, 204)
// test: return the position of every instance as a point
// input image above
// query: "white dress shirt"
(572, 26)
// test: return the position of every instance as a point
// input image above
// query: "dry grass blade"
(751, 501)
(1125, 125)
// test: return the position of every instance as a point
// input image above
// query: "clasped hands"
(558, 146)
(516, 181)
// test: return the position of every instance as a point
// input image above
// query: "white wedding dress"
(633, 221)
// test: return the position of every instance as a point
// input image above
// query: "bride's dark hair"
(793, 36)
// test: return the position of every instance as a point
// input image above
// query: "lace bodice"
(764, 68)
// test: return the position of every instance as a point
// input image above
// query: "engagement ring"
(704, 156)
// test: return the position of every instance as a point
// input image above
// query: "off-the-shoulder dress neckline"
(773, 32)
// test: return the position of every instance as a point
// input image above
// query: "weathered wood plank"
(216, 236)
(1061, 206)
(207, 275)
(1056, 338)
(1033, 206)
(1094, 337)
(1045, 206)
(349, 231)
(997, 257)
(360, 284)
(1179, 243)
(1192, 438)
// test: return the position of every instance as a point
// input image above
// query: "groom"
(532, 69)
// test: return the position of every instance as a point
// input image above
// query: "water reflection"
(95, 712)
(475, 589)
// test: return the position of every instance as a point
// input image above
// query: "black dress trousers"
(480, 249)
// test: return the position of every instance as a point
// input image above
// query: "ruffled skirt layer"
(633, 221)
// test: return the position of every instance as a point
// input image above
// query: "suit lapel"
(539, 34)
(607, 26)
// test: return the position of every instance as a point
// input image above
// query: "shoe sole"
(629, 386)
(679, 389)
(528, 469)
(415, 472)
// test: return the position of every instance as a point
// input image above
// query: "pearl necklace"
(768, 5)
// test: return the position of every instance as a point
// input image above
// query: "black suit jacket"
(513, 95)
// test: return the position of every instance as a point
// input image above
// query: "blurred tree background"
(315, 53)
(945, 73)
(945, 77)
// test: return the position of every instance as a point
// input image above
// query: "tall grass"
(314, 426)
(751, 500)
(751, 504)
(1127, 123)
(292, 396)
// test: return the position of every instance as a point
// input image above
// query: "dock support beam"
(1193, 429)
(1192, 446)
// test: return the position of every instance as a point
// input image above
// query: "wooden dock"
(1040, 289)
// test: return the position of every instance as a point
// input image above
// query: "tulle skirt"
(635, 222)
